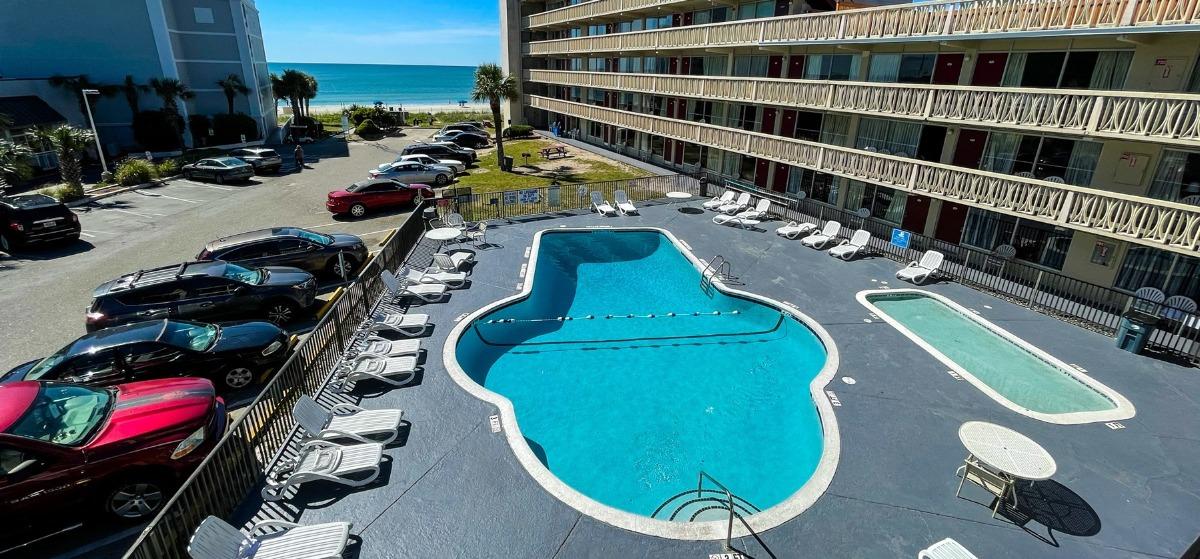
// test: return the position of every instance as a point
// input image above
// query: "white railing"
(595, 8)
(928, 20)
(1162, 117)
(1146, 221)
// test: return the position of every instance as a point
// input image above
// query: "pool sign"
(510, 197)
(529, 196)
(901, 237)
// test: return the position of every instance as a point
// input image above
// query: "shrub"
(63, 192)
(135, 171)
(367, 129)
(518, 131)
(378, 115)
(167, 167)
(228, 129)
(157, 130)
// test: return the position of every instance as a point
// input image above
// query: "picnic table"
(554, 151)
(1006, 452)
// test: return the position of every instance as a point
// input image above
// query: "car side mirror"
(239, 290)
(23, 466)
(310, 248)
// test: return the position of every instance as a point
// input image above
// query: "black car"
(440, 152)
(465, 127)
(218, 169)
(231, 355)
(263, 160)
(470, 140)
(333, 256)
(35, 218)
(206, 290)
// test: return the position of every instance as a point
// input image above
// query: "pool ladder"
(694, 504)
(716, 268)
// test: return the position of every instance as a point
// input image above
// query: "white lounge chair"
(402, 323)
(396, 371)
(353, 465)
(759, 212)
(736, 221)
(398, 289)
(826, 236)
(849, 249)
(623, 204)
(216, 539)
(742, 202)
(919, 272)
(719, 201)
(432, 275)
(375, 346)
(346, 421)
(601, 205)
(794, 230)
(946, 549)
(452, 262)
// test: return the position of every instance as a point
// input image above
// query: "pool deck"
(453, 488)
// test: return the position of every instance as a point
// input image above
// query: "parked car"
(336, 255)
(68, 450)
(475, 123)
(464, 127)
(441, 151)
(231, 355)
(35, 218)
(454, 146)
(263, 160)
(465, 139)
(219, 169)
(205, 290)
(373, 194)
(453, 164)
(411, 171)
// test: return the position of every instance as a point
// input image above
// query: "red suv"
(375, 194)
(118, 450)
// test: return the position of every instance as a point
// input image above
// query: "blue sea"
(364, 84)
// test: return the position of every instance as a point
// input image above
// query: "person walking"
(299, 158)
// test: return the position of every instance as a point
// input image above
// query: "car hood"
(342, 194)
(18, 373)
(283, 275)
(238, 336)
(156, 408)
(346, 240)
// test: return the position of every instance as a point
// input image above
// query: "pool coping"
(789, 508)
(1124, 408)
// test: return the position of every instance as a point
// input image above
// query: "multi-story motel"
(1068, 129)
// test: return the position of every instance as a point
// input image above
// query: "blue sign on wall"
(901, 237)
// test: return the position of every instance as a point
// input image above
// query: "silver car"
(412, 172)
(454, 164)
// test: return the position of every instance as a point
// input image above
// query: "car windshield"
(228, 161)
(318, 238)
(244, 275)
(189, 334)
(267, 153)
(48, 364)
(64, 414)
(27, 201)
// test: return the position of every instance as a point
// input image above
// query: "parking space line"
(151, 216)
(325, 225)
(182, 182)
(93, 231)
(375, 232)
(158, 195)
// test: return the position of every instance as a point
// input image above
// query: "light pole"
(99, 151)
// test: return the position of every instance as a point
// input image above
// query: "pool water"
(628, 411)
(1008, 368)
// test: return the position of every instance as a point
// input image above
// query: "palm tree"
(310, 90)
(493, 86)
(232, 86)
(68, 143)
(279, 88)
(76, 84)
(295, 83)
(171, 91)
(132, 90)
(14, 162)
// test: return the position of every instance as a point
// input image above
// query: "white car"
(454, 165)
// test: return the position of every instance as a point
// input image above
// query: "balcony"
(596, 8)
(1163, 117)
(1145, 221)
(910, 22)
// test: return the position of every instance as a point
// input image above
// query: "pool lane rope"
(611, 316)
(563, 319)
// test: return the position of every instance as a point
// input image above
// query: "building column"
(511, 61)
(166, 55)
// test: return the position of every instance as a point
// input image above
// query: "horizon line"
(382, 64)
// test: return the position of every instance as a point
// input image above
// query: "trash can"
(1135, 330)
(506, 164)
(429, 214)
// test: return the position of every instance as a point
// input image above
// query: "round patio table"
(443, 234)
(1006, 450)
(679, 195)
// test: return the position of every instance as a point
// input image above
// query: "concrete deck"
(453, 488)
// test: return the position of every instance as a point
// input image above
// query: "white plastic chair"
(623, 204)
(736, 221)
(601, 205)
(1177, 307)
(759, 212)
(346, 421)
(719, 201)
(919, 272)
(350, 465)
(826, 236)
(452, 262)
(1148, 299)
(395, 371)
(408, 324)
(794, 230)
(216, 539)
(424, 291)
(849, 249)
(478, 235)
(433, 275)
(946, 549)
(742, 202)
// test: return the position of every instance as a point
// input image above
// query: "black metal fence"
(560, 198)
(237, 463)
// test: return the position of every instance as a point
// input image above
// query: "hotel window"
(1042, 157)
(1073, 70)
(831, 67)
(835, 130)
(1173, 273)
(694, 154)
(883, 202)
(752, 10)
(731, 163)
(745, 117)
(808, 126)
(746, 168)
(1036, 242)
(1193, 85)
(596, 64)
(658, 22)
(596, 30)
(902, 68)
(747, 66)
(1177, 177)
(815, 185)
(715, 15)
(894, 137)
(657, 106)
(700, 111)
(658, 146)
(595, 97)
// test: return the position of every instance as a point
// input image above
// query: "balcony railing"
(924, 20)
(1145, 221)
(1162, 117)
(596, 8)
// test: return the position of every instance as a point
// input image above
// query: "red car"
(120, 450)
(373, 194)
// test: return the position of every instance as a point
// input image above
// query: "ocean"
(339, 85)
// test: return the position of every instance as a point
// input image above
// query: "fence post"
(1037, 284)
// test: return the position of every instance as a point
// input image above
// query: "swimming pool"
(620, 376)
(1005, 367)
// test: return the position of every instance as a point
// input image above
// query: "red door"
(673, 66)
(775, 67)
(969, 150)
(681, 109)
(676, 20)
(762, 171)
(916, 209)
(989, 69)
(670, 107)
(678, 153)
(768, 121)
(779, 183)
(950, 222)
(787, 128)
(668, 149)
(795, 67)
(687, 18)
(782, 7)
(685, 66)
(947, 68)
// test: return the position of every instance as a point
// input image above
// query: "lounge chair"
(216, 539)
(402, 323)
(759, 212)
(396, 371)
(736, 221)
(433, 275)
(918, 272)
(742, 202)
(623, 204)
(601, 205)
(353, 465)
(850, 249)
(375, 346)
(794, 230)
(427, 292)
(719, 201)
(346, 421)
(452, 262)
(946, 549)
(826, 236)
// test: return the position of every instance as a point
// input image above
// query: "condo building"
(1066, 131)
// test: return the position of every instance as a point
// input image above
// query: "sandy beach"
(412, 108)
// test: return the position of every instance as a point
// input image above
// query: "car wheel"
(358, 210)
(220, 179)
(441, 180)
(238, 376)
(342, 268)
(281, 313)
(136, 498)
(5, 245)
(418, 199)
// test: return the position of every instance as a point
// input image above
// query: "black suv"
(332, 256)
(439, 151)
(231, 355)
(208, 290)
(35, 218)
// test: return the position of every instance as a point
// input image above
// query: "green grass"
(486, 176)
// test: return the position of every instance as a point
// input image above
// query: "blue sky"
(437, 32)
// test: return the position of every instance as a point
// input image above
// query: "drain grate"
(833, 399)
